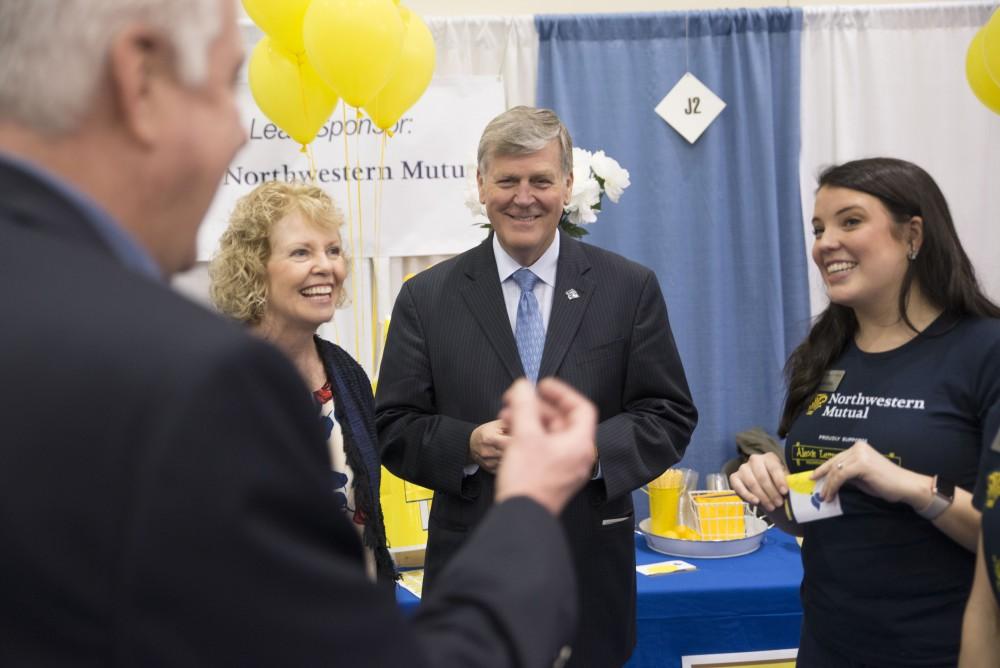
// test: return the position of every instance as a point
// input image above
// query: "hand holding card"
(805, 499)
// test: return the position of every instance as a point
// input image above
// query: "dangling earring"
(912, 255)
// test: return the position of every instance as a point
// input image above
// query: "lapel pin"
(572, 294)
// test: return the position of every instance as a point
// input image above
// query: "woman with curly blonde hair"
(280, 270)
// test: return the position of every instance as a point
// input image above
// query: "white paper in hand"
(806, 501)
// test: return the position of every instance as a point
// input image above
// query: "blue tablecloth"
(739, 604)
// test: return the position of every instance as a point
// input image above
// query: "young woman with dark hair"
(887, 401)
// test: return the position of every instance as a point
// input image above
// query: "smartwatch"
(942, 494)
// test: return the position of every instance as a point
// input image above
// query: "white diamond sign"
(690, 107)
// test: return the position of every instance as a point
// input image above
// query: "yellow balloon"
(982, 84)
(412, 75)
(991, 46)
(288, 91)
(354, 45)
(280, 19)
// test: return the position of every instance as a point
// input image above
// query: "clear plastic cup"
(716, 482)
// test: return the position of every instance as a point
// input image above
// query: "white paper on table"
(665, 567)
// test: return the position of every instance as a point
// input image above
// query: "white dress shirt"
(544, 268)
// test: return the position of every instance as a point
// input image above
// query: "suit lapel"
(484, 298)
(569, 303)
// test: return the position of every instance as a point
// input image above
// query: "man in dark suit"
(164, 496)
(463, 330)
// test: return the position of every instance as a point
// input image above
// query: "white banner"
(411, 198)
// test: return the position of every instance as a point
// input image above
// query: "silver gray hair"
(52, 51)
(523, 130)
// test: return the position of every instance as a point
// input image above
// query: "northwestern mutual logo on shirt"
(856, 406)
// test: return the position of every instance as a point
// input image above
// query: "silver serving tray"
(707, 549)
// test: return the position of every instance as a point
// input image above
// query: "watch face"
(944, 488)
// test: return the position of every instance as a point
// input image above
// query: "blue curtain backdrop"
(719, 221)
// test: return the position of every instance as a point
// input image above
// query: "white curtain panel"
(505, 46)
(890, 81)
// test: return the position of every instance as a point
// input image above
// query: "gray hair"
(523, 130)
(52, 51)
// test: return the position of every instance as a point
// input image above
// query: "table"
(739, 604)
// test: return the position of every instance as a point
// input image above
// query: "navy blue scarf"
(354, 409)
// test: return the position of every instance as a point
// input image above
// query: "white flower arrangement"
(594, 176)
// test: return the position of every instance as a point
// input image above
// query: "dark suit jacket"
(451, 354)
(164, 490)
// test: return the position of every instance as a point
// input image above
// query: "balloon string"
(336, 330)
(347, 166)
(374, 320)
(377, 215)
(360, 251)
(307, 149)
(378, 196)
(350, 227)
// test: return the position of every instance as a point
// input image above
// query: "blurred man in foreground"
(164, 495)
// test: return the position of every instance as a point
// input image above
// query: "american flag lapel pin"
(572, 294)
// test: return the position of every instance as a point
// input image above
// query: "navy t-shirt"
(987, 499)
(881, 584)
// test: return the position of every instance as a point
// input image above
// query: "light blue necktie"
(528, 331)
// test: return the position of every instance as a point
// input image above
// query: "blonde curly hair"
(239, 268)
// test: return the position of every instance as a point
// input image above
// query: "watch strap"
(942, 495)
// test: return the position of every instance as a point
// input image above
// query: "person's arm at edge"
(981, 623)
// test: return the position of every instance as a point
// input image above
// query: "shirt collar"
(121, 244)
(544, 267)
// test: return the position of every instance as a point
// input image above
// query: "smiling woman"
(280, 270)
(905, 363)
(863, 252)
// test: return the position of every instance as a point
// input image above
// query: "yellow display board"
(406, 508)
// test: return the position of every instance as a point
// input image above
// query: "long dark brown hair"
(942, 269)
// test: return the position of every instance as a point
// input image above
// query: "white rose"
(586, 194)
(581, 160)
(615, 177)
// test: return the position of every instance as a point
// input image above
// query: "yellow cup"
(663, 504)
